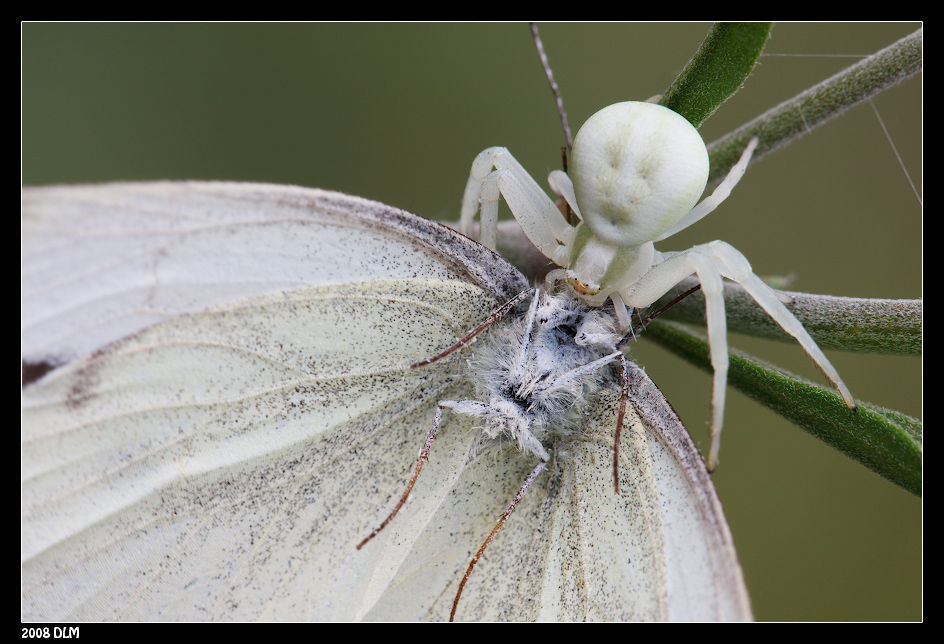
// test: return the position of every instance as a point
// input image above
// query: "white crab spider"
(636, 173)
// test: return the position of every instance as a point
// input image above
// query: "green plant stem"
(808, 110)
(862, 325)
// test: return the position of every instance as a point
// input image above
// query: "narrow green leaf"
(885, 441)
(718, 69)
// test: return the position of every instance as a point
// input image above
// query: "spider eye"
(637, 168)
(582, 287)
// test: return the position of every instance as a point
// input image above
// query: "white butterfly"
(230, 413)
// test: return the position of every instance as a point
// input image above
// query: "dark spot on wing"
(32, 371)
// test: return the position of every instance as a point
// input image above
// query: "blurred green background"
(397, 112)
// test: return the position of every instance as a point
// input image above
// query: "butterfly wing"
(223, 463)
(230, 414)
(101, 262)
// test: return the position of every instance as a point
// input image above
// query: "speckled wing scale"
(229, 411)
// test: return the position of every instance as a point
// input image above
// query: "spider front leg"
(657, 283)
(537, 214)
(709, 203)
(736, 268)
(710, 262)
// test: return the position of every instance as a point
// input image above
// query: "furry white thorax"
(536, 373)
